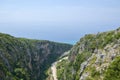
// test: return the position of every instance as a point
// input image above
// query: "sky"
(58, 20)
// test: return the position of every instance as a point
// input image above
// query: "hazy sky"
(58, 20)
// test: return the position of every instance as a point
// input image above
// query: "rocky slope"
(94, 57)
(25, 59)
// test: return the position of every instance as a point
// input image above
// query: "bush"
(113, 72)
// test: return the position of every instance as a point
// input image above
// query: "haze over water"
(58, 20)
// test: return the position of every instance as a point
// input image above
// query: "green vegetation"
(113, 72)
(61, 69)
(71, 71)
(82, 51)
(26, 59)
(80, 59)
(95, 74)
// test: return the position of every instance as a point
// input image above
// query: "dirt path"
(54, 71)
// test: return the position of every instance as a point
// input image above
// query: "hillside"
(94, 57)
(26, 59)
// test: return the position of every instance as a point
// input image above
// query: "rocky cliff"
(25, 59)
(94, 57)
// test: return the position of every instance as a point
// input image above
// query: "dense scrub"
(25, 59)
(87, 52)
(113, 71)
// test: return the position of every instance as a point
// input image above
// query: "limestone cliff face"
(25, 59)
(94, 57)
